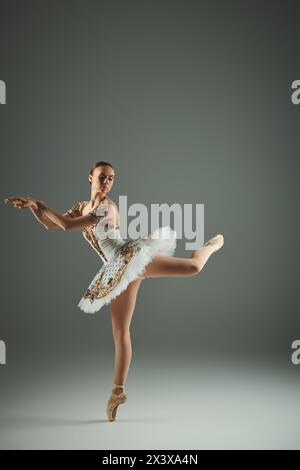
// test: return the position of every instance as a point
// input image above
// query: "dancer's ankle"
(208, 249)
(118, 388)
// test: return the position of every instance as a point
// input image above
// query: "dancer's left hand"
(22, 202)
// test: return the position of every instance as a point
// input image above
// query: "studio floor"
(171, 404)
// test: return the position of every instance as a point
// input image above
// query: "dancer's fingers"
(15, 200)
(12, 199)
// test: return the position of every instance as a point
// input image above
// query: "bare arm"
(65, 222)
(44, 220)
(22, 202)
(71, 220)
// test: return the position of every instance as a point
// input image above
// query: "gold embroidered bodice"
(104, 238)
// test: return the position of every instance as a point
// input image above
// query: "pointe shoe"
(114, 401)
(217, 241)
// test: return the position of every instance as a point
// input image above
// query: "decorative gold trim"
(90, 237)
(76, 211)
(98, 289)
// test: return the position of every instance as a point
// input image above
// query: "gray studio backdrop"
(190, 101)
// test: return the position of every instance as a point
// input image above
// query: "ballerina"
(124, 263)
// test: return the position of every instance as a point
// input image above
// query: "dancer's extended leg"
(172, 266)
(122, 307)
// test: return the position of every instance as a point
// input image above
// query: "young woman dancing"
(125, 263)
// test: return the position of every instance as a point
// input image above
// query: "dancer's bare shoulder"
(117, 219)
(110, 201)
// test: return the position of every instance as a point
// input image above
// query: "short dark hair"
(100, 164)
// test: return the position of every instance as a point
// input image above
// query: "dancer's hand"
(22, 202)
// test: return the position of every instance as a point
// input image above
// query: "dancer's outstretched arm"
(44, 220)
(43, 212)
(22, 202)
(65, 222)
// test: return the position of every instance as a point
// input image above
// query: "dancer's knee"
(121, 334)
(196, 267)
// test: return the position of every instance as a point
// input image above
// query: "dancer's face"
(102, 179)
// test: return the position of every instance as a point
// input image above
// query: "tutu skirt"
(127, 264)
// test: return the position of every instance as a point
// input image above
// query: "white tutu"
(123, 261)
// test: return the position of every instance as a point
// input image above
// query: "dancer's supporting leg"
(122, 308)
